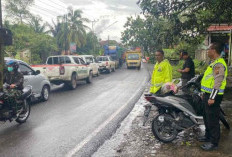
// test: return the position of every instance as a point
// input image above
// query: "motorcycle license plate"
(161, 118)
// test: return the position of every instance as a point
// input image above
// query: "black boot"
(209, 146)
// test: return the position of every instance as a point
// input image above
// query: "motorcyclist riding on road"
(14, 79)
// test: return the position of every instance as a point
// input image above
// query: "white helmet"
(169, 87)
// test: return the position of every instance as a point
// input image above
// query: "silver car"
(40, 84)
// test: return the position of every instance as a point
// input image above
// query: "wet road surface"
(77, 122)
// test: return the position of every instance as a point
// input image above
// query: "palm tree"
(55, 28)
(35, 23)
(77, 32)
(72, 29)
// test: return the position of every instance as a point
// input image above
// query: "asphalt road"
(77, 122)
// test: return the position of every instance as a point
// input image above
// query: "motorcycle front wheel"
(22, 118)
(162, 128)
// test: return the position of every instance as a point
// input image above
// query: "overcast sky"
(104, 12)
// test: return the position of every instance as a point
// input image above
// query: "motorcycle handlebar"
(7, 86)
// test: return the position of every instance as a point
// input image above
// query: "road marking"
(103, 125)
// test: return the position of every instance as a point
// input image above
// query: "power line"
(57, 4)
(106, 27)
(44, 10)
(47, 10)
(45, 14)
(61, 1)
(51, 5)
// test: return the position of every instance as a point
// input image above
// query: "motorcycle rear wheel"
(162, 128)
(22, 118)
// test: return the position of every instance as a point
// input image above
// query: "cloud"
(100, 26)
(105, 12)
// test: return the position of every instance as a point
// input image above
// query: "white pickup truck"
(106, 64)
(65, 69)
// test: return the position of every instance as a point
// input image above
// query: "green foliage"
(200, 67)
(72, 29)
(36, 24)
(22, 35)
(149, 33)
(25, 38)
(191, 17)
(18, 10)
(175, 73)
(41, 45)
(171, 23)
(92, 46)
(171, 54)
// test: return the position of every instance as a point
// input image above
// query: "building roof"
(218, 28)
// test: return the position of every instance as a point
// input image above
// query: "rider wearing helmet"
(14, 79)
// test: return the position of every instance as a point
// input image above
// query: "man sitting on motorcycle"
(15, 80)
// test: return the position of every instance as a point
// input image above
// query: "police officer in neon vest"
(213, 85)
(162, 72)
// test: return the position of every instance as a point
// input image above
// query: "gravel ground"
(132, 139)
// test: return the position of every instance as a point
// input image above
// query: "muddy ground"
(138, 141)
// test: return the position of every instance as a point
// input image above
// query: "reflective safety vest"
(207, 82)
(162, 73)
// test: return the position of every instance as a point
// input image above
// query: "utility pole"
(1, 51)
(5, 39)
(93, 34)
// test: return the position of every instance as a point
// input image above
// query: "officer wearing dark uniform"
(14, 78)
(213, 84)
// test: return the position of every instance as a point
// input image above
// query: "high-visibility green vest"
(162, 73)
(207, 82)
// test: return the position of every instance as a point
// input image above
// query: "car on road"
(89, 59)
(40, 84)
(106, 64)
(67, 69)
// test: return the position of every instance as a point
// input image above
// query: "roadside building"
(217, 33)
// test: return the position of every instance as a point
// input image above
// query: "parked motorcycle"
(178, 112)
(19, 112)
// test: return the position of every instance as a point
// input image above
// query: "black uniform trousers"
(211, 118)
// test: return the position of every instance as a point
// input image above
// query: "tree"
(149, 33)
(72, 29)
(54, 28)
(25, 38)
(192, 16)
(18, 10)
(35, 23)
(41, 47)
(88, 47)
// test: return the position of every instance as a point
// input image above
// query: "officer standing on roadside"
(213, 84)
(162, 72)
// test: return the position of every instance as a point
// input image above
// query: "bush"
(200, 67)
